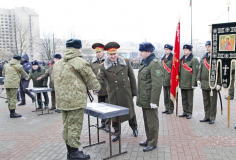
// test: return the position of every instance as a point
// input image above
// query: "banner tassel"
(211, 94)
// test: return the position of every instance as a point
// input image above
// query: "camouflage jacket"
(70, 90)
(12, 77)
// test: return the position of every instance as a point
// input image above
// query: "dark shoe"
(68, 151)
(211, 122)
(164, 111)
(183, 115)
(21, 104)
(58, 111)
(234, 127)
(52, 108)
(13, 114)
(189, 116)
(102, 125)
(169, 112)
(204, 120)
(33, 99)
(143, 144)
(39, 108)
(115, 138)
(135, 132)
(18, 100)
(6, 101)
(77, 155)
(149, 148)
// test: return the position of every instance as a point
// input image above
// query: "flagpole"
(191, 23)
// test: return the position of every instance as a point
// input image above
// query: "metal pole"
(191, 23)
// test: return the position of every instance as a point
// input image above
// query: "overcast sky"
(128, 20)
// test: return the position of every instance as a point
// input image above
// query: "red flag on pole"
(175, 67)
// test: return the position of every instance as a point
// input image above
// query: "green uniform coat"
(35, 74)
(47, 74)
(95, 65)
(149, 83)
(186, 79)
(121, 85)
(71, 93)
(166, 75)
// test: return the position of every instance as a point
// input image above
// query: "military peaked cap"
(111, 47)
(98, 46)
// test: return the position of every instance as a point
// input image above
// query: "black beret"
(170, 47)
(35, 63)
(146, 46)
(75, 43)
(189, 47)
(17, 57)
(208, 43)
(57, 56)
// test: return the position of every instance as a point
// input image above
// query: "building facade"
(19, 33)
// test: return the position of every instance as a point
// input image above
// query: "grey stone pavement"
(39, 137)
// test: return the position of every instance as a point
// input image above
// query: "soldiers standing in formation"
(210, 102)
(189, 67)
(121, 84)
(95, 65)
(167, 65)
(149, 90)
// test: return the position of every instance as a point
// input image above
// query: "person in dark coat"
(36, 72)
(25, 83)
(121, 86)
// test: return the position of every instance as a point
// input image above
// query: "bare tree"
(50, 46)
(20, 38)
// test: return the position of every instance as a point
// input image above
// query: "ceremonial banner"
(223, 53)
(175, 67)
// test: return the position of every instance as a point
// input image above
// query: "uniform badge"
(158, 72)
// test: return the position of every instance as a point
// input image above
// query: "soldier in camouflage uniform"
(12, 73)
(210, 102)
(167, 65)
(189, 67)
(95, 64)
(71, 75)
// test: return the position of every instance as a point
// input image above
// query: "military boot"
(77, 155)
(69, 151)
(21, 103)
(13, 114)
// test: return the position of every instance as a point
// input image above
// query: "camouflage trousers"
(73, 123)
(11, 97)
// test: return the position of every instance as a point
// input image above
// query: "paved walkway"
(39, 137)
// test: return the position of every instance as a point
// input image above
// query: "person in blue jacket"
(25, 83)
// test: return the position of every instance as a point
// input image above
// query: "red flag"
(175, 67)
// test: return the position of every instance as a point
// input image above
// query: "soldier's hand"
(194, 87)
(38, 79)
(95, 93)
(26, 79)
